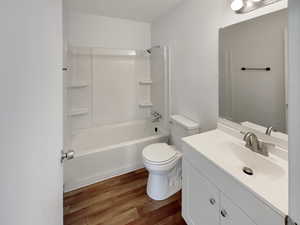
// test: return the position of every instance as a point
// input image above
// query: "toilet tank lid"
(185, 122)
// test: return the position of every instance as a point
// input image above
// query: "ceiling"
(140, 10)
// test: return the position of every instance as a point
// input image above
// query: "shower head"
(149, 51)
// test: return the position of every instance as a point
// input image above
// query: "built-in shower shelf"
(79, 112)
(146, 105)
(85, 51)
(145, 82)
(79, 84)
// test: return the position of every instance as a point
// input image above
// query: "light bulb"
(237, 5)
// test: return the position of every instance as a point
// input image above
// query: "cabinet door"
(200, 198)
(232, 214)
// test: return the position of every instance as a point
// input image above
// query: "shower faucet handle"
(156, 116)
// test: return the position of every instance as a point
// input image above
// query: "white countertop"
(270, 179)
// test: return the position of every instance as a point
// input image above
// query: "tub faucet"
(255, 145)
(156, 116)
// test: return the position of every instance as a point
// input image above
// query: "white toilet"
(163, 161)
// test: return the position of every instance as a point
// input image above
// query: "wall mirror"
(253, 71)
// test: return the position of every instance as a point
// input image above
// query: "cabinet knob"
(224, 213)
(212, 201)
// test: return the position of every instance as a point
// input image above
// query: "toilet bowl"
(163, 163)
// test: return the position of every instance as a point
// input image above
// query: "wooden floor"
(120, 201)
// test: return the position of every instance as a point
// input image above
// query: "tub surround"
(107, 120)
(218, 157)
(102, 87)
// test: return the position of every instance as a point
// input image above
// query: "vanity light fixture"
(245, 6)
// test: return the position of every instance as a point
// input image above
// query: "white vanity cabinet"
(216, 191)
(205, 204)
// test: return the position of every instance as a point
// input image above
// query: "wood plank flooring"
(120, 201)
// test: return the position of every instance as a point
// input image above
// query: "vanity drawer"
(243, 197)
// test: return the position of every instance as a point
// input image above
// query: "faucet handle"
(248, 135)
(270, 130)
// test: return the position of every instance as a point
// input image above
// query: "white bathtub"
(108, 151)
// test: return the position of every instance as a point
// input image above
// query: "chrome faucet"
(255, 145)
(156, 116)
(252, 141)
(270, 130)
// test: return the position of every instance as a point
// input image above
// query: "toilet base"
(159, 196)
(162, 186)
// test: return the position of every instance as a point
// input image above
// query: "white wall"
(31, 112)
(98, 31)
(191, 32)
(194, 56)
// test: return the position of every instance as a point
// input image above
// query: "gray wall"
(294, 108)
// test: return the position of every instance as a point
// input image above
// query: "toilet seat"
(160, 154)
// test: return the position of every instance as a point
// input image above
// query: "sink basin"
(261, 165)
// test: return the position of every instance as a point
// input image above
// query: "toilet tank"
(182, 127)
